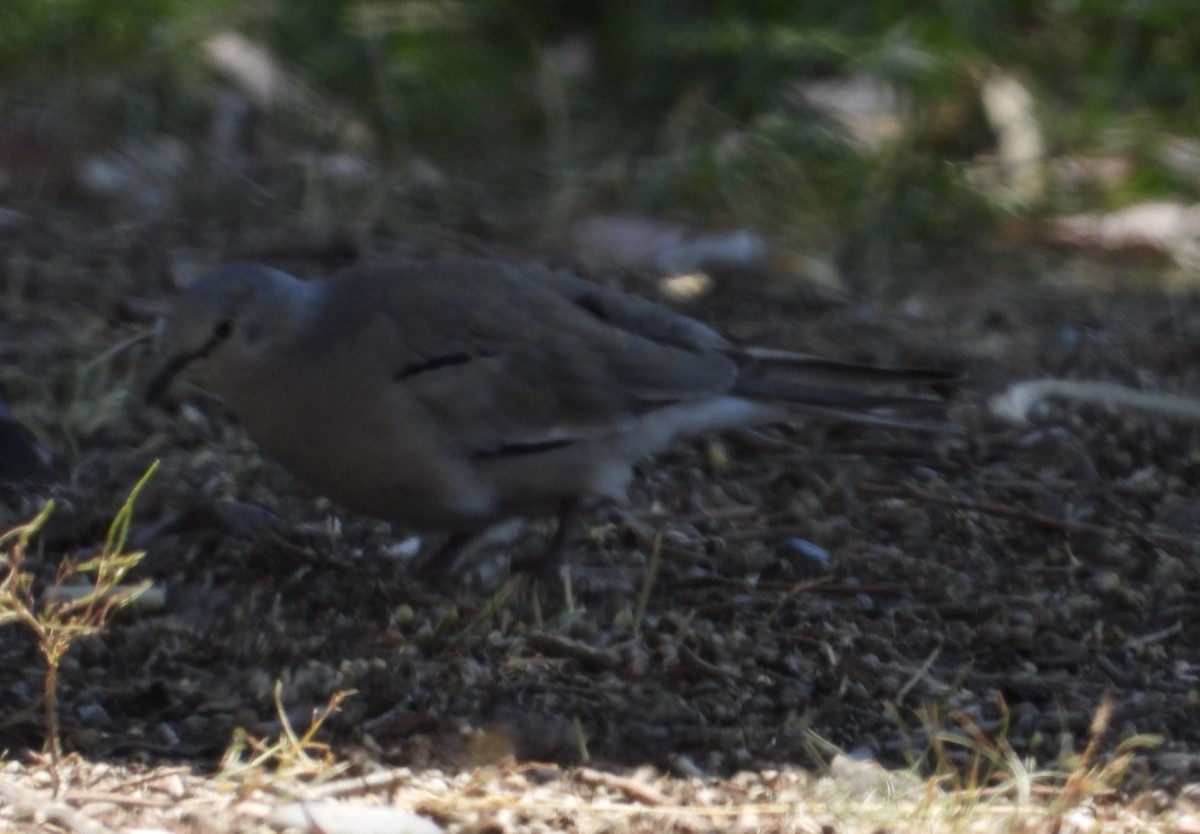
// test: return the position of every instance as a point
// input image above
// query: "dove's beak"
(166, 375)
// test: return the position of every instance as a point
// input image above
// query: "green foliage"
(694, 99)
(118, 67)
(41, 39)
(423, 68)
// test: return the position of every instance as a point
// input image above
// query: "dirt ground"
(816, 587)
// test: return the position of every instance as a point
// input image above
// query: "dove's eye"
(223, 329)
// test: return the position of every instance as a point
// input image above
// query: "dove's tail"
(840, 390)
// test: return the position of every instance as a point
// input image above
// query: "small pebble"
(345, 818)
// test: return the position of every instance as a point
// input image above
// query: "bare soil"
(817, 587)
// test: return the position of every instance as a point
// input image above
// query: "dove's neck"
(285, 312)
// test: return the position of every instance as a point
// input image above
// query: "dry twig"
(57, 812)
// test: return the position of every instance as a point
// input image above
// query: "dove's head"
(228, 320)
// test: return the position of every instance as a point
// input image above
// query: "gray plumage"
(451, 394)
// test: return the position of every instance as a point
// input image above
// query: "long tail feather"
(806, 366)
(919, 413)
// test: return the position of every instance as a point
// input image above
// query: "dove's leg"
(546, 564)
(441, 563)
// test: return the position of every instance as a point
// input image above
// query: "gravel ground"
(763, 601)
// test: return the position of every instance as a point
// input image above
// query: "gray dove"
(449, 395)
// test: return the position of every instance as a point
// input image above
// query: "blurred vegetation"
(680, 108)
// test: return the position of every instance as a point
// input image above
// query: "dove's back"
(447, 394)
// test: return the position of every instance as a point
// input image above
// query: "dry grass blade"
(290, 757)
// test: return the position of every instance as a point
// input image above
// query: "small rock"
(344, 818)
(810, 551)
(1188, 824)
